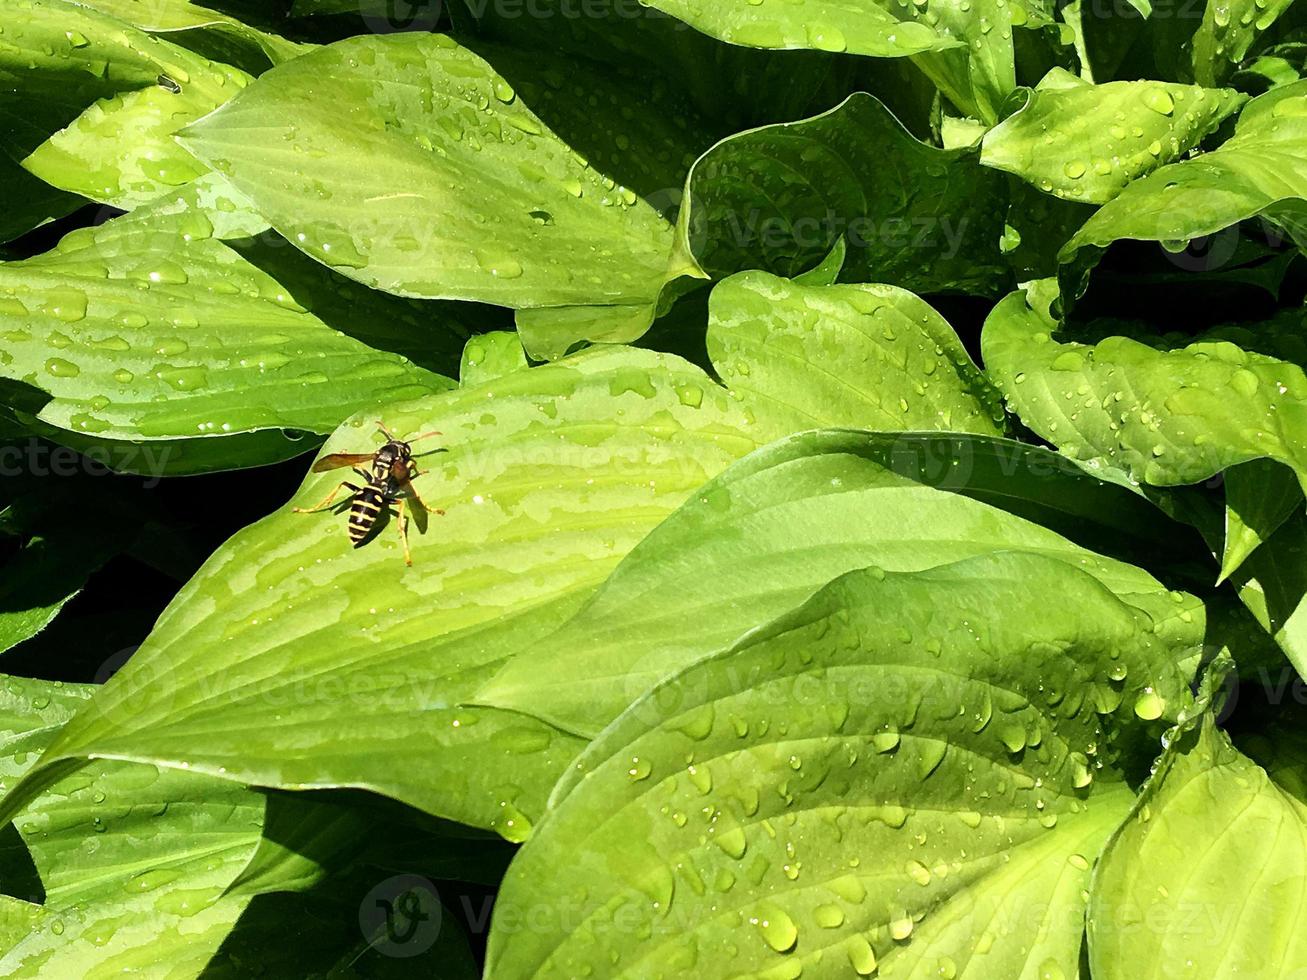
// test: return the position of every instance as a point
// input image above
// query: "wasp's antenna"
(425, 435)
(389, 435)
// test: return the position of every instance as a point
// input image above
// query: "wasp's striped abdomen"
(365, 511)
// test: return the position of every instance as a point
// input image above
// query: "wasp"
(389, 475)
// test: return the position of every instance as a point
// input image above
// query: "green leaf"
(1086, 142)
(827, 271)
(29, 201)
(149, 328)
(964, 48)
(205, 31)
(777, 526)
(1227, 33)
(1272, 583)
(445, 184)
(108, 97)
(881, 776)
(659, 48)
(1259, 497)
(1258, 171)
(875, 357)
(1216, 835)
(1161, 417)
(853, 26)
(133, 859)
(547, 477)
(778, 197)
(491, 356)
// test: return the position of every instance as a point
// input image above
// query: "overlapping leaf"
(1162, 417)
(779, 197)
(91, 103)
(133, 860)
(447, 185)
(965, 49)
(150, 328)
(776, 527)
(1259, 171)
(1085, 142)
(878, 779)
(1210, 870)
(866, 356)
(547, 477)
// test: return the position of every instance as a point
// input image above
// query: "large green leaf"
(1210, 871)
(777, 526)
(133, 860)
(1161, 417)
(444, 184)
(1260, 170)
(964, 47)
(109, 98)
(866, 356)
(886, 775)
(647, 41)
(1086, 142)
(548, 476)
(206, 31)
(147, 327)
(779, 197)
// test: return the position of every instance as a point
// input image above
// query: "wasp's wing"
(336, 460)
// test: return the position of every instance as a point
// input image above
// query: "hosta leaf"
(1259, 497)
(1162, 417)
(29, 201)
(656, 45)
(771, 530)
(1258, 171)
(548, 477)
(777, 198)
(868, 356)
(965, 48)
(1227, 33)
(854, 26)
(133, 859)
(1086, 142)
(1209, 871)
(1272, 583)
(491, 205)
(115, 95)
(885, 776)
(490, 356)
(206, 31)
(148, 328)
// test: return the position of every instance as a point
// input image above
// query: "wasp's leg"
(411, 491)
(326, 501)
(401, 520)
